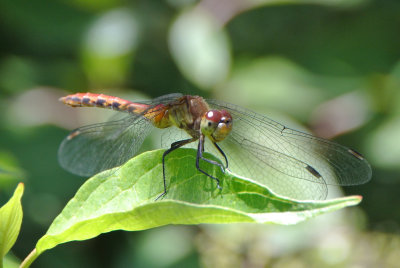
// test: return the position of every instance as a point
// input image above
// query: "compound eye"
(213, 116)
(226, 116)
(216, 124)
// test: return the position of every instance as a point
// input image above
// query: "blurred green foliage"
(333, 66)
(11, 219)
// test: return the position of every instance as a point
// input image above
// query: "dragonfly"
(289, 162)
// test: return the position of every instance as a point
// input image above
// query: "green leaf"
(10, 261)
(124, 199)
(10, 221)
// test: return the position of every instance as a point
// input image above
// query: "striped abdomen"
(103, 101)
(158, 114)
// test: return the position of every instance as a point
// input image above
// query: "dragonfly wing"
(284, 156)
(281, 173)
(259, 163)
(166, 99)
(94, 148)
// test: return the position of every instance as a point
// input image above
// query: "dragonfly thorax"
(216, 125)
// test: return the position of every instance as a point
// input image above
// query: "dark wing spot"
(86, 100)
(313, 171)
(356, 154)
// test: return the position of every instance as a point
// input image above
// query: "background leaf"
(123, 198)
(10, 221)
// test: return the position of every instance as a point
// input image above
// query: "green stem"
(29, 259)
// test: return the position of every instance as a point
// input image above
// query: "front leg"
(200, 151)
(222, 153)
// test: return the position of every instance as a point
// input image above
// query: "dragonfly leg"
(174, 146)
(209, 160)
(200, 151)
(223, 154)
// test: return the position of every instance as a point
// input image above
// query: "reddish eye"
(216, 124)
(226, 115)
(214, 116)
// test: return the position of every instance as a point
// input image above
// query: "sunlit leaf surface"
(124, 199)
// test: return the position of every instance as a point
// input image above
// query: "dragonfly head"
(216, 124)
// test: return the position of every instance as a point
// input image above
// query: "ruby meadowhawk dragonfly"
(289, 162)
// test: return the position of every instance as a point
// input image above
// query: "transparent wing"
(290, 162)
(166, 99)
(94, 148)
(250, 162)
